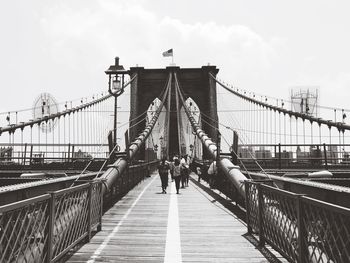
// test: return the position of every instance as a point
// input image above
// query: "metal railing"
(132, 176)
(218, 181)
(295, 155)
(45, 228)
(36, 153)
(302, 229)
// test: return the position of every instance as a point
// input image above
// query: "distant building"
(346, 158)
(332, 154)
(81, 156)
(263, 154)
(302, 157)
(316, 155)
(245, 152)
(286, 157)
(6, 154)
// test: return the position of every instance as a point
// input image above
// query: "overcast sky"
(63, 47)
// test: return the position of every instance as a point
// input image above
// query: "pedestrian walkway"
(196, 228)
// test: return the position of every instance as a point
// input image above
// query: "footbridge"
(77, 185)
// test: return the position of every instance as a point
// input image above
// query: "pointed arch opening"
(189, 143)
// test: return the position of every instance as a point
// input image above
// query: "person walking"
(163, 170)
(185, 171)
(177, 174)
(172, 166)
(212, 170)
(199, 173)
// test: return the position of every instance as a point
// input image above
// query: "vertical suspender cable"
(168, 121)
(119, 166)
(312, 133)
(231, 171)
(178, 120)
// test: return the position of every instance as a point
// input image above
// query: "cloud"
(101, 30)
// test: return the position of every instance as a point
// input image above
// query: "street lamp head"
(116, 74)
(116, 85)
(116, 68)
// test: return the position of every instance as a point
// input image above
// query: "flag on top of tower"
(168, 53)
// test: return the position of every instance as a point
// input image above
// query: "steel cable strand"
(329, 123)
(250, 153)
(226, 141)
(110, 153)
(279, 99)
(117, 168)
(39, 107)
(240, 138)
(14, 127)
(244, 130)
(228, 127)
(230, 170)
(102, 141)
(239, 129)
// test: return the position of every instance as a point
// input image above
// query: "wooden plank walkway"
(196, 228)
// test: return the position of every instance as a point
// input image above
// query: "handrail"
(301, 228)
(51, 225)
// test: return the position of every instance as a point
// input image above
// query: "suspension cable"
(339, 125)
(16, 126)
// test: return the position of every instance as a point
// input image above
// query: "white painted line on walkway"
(105, 242)
(173, 242)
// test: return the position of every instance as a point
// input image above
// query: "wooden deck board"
(208, 231)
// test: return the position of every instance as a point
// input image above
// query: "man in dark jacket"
(163, 170)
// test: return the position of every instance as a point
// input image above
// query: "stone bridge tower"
(195, 83)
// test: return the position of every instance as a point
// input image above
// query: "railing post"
(302, 248)
(260, 216)
(25, 154)
(279, 157)
(72, 159)
(325, 156)
(99, 227)
(68, 154)
(126, 136)
(247, 205)
(31, 154)
(50, 226)
(89, 220)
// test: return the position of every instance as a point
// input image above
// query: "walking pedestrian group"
(179, 171)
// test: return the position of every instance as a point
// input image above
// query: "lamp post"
(116, 74)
